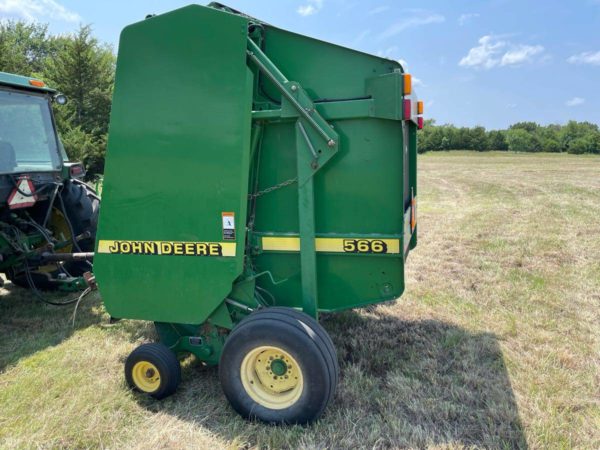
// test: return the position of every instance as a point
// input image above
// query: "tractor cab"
(29, 143)
(28, 138)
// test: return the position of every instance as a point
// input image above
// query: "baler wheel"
(153, 369)
(279, 366)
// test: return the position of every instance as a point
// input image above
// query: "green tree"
(581, 135)
(520, 140)
(551, 145)
(445, 144)
(83, 69)
(530, 127)
(497, 140)
(478, 139)
(25, 48)
(549, 137)
(578, 146)
(595, 142)
(424, 142)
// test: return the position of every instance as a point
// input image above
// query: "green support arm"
(316, 144)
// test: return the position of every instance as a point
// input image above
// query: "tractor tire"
(81, 206)
(153, 369)
(279, 366)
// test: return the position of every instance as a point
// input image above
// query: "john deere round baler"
(254, 178)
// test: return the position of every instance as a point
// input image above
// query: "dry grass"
(496, 343)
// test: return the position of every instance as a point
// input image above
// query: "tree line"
(574, 137)
(81, 67)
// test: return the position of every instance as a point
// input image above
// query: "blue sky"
(491, 62)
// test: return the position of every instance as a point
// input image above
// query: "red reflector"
(420, 123)
(77, 171)
(407, 109)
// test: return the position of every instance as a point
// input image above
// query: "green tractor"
(48, 215)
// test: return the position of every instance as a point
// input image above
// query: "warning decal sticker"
(228, 226)
(23, 195)
(167, 248)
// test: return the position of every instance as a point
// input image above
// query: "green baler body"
(200, 134)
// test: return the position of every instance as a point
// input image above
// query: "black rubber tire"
(300, 336)
(82, 208)
(164, 360)
(321, 333)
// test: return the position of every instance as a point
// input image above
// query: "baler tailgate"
(178, 158)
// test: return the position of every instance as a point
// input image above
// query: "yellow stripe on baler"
(334, 245)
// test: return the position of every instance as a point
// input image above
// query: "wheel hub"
(278, 367)
(272, 377)
(146, 377)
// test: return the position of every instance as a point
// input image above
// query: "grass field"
(495, 344)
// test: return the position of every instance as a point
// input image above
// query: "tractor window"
(27, 136)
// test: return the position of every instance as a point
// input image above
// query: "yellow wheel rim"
(272, 377)
(61, 231)
(145, 376)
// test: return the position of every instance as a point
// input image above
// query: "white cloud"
(511, 105)
(403, 63)
(484, 55)
(575, 101)
(410, 22)
(310, 8)
(417, 81)
(33, 10)
(464, 18)
(306, 10)
(492, 52)
(585, 58)
(520, 54)
(379, 10)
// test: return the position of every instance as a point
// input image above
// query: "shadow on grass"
(403, 384)
(28, 325)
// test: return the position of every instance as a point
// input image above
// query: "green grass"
(495, 344)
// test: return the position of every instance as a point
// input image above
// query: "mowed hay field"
(495, 344)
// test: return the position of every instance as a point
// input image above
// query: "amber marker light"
(407, 84)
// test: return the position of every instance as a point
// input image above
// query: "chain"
(273, 188)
